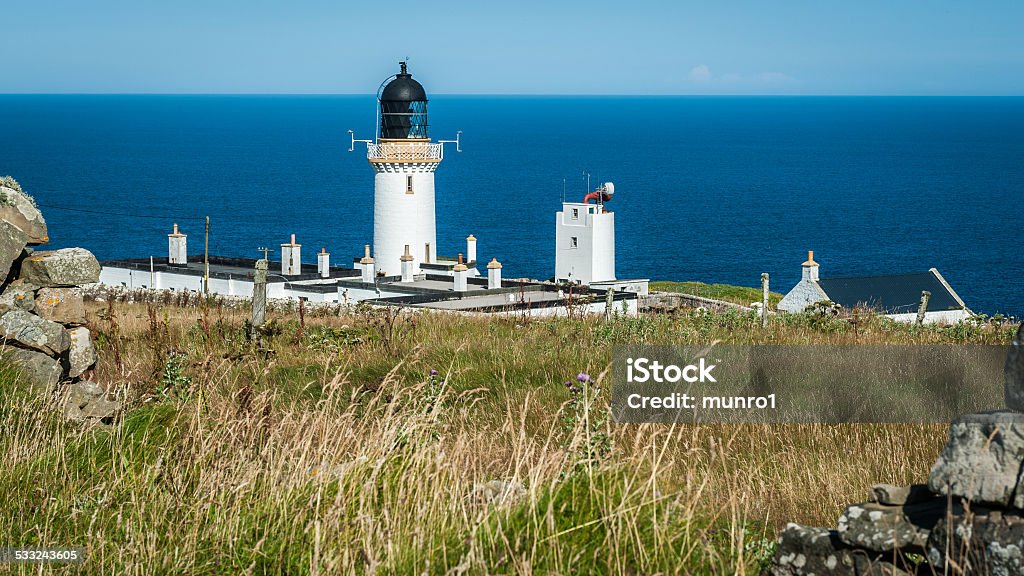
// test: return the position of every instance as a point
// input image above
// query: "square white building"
(584, 243)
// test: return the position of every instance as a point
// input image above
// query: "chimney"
(494, 273)
(367, 265)
(407, 265)
(810, 268)
(323, 263)
(177, 249)
(291, 258)
(460, 272)
(471, 248)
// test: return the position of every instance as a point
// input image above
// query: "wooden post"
(764, 299)
(302, 321)
(206, 259)
(925, 296)
(259, 296)
(609, 303)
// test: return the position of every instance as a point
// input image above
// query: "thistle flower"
(583, 377)
(433, 372)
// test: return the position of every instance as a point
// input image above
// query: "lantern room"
(403, 108)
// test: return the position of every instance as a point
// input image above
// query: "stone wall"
(668, 302)
(967, 519)
(42, 311)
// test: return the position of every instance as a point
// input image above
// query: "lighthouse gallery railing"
(405, 151)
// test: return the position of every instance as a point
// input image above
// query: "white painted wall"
(592, 259)
(323, 264)
(143, 279)
(226, 286)
(631, 308)
(356, 295)
(291, 259)
(639, 286)
(400, 218)
(936, 317)
(177, 249)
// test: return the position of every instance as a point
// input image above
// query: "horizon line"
(526, 94)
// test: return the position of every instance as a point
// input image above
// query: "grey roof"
(892, 293)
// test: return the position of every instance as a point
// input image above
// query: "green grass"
(335, 452)
(726, 292)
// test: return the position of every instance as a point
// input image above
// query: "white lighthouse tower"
(404, 160)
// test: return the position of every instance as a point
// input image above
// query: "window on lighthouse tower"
(408, 184)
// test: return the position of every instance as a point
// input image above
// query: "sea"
(712, 189)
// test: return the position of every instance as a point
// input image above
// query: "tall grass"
(339, 452)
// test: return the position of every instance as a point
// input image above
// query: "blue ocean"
(716, 189)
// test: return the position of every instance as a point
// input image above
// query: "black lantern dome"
(403, 108)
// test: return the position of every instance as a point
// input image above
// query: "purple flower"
(568, 384)
(583, 377)
(433, 372)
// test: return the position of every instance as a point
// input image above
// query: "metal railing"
(405, 151)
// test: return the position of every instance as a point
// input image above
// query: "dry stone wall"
(42, 312)
(968, 518)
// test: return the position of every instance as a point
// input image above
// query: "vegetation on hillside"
(377, 441)
(725, 292)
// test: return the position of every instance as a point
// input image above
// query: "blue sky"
(522, 47)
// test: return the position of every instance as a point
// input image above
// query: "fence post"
(925, 296)
(609, 303)
(764, 299)
(259, 296)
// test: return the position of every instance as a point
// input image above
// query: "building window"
(575, 213)
(573, 243)
(426, 253)
(408, 184)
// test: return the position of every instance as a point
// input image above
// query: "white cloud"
(700, 73)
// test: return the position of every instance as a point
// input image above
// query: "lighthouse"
(404, 161)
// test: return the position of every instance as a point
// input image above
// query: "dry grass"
(338, 453)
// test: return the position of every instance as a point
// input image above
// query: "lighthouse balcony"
(405, 152)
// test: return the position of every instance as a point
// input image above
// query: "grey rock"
(498, 492)
(982, 460)
(12, 245)
(18, 209)
(982, 542)
(899, 495)
(34, 332)
(62, 305)
(19, 295)
(1014, 385)
(87, 399)
(38, 370)
(65, 267)
(884, 528)
(81, 353)
(803, 551)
